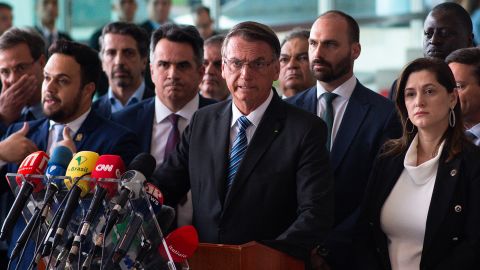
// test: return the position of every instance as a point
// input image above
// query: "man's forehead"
(442, 19)
(62, 64)
(238, 46)
(119, 41)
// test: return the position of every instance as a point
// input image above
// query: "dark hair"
(254, 31)
(128, 29)
(182, 34)
(6, 6)
(214, 40)
(353, 28)
(86, 57)
(15, 36)
(296, 33)
(454, 136)
(458, 12)
(201, 8)
(467, 56)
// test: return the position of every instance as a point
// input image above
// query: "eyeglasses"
(236, 65)
(18, 69)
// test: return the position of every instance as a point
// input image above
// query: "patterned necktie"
(328, 115)
(173, 136)
(238, 150)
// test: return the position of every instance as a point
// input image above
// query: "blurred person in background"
(213, 85)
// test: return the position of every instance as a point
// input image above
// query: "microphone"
(81, 165)
(127, 238)
(56, 166)
(33, 164)
(182, 244)
(107, 167)
(132, 182)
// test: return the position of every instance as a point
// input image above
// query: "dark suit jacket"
(452, 234)
(61, 35)
(104, 108)
(139, 118)
(282, 190)
(369, 120)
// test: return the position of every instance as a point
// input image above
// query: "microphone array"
(87, 211)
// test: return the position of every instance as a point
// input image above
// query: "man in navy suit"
(358, 121)
(257, 166)
(124, 52)
(176, 67)
(69, 82)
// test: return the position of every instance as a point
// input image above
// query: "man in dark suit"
(158, 14)
(359, 121)
(22, 58)
(124, 52)
(257, 166)
(177, 72)
(70, 77)
(47, 11)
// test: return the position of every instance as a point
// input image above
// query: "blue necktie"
(328, 115)
(238, 150)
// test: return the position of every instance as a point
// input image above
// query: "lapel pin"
(79, 137)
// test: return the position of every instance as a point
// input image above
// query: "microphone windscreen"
(57, 165)
(144, 163)
(35, 163)
(181, 243)
(108, 167)
(81, 165)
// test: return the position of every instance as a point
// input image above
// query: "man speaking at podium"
(257, 167)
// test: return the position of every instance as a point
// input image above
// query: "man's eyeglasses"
(236, 65)
(18, 69)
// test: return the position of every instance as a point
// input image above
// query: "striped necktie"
(238, 150)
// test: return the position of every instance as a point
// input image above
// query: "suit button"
(453, 172)
(455, 238)
(458, 208)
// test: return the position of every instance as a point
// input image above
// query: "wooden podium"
(249, 256)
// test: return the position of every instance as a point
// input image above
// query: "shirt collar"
(75, 124)
(162, 112)
(36, 110)
(255, 116)
(136, 97)
(475, 130)
(345, 90)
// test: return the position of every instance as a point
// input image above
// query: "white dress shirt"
(162, 126)
(344, 92)
(475, 130)
(254, 117)
(403, 217)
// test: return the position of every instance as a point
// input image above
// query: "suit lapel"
(270, 126)
(41, 137)
(147, 117)
(220, 149)
(351, 121)
(309, 100)
(446, 180)
(90, 123)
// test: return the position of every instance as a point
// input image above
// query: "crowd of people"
(331, 172)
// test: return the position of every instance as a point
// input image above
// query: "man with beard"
(70, 76)
(176, 54)
(447, 28)
(124, 52)
(358, 120)
(295, 74)
(213, 85)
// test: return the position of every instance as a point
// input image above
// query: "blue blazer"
(139, 118)
(369, 120)
(103, 106)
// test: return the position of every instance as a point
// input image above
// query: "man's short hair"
(198, 9)
(15, 36)
(86, 57)
(353, 28)
(214, 40)
(296, 33)
(6, 6)
(128, 29)
(458, 13)
(467, 56)
(181, 34)
(254, 31)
